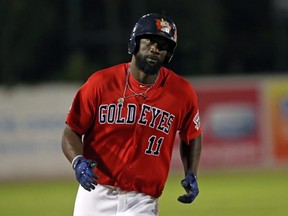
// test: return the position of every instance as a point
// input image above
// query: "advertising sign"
(231, 122)
(31, 124)
(278, 104)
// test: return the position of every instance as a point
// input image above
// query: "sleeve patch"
(196, 121)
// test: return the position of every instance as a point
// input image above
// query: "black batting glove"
(84, 172)
(189, 183)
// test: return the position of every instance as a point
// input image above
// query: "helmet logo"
(163, 25)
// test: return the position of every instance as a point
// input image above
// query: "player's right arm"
(72, 148)
(72, 145)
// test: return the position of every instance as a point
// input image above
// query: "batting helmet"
(154, 24)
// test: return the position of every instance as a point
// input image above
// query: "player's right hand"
(84, 172)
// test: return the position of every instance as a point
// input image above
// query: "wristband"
(74, 160)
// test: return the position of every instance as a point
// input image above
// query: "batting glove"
(84, 172)
(189, 183)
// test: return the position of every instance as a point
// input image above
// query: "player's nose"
(154, 47)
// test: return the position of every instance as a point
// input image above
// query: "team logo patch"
(196, 120)
(163, 25)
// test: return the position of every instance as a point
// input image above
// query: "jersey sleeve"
(190, 127)
(82, 112)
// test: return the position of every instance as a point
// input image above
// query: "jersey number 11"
(154, 146)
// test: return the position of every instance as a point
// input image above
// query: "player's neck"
(142, 77)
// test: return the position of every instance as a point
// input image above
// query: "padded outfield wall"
(244, 121)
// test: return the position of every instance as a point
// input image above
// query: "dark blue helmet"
(154, 24)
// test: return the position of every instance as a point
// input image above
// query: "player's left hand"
(189, 183)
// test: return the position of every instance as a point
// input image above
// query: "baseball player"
(121, 127)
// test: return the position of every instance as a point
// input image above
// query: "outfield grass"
(232, 194)
(221, 194)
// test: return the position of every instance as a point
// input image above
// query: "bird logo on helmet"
(154, 24)
(163, 25)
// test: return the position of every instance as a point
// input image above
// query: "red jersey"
(132, 141)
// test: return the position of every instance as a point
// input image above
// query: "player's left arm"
(190, 156)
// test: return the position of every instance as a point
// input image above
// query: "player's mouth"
(152, 59)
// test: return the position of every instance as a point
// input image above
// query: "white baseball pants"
(111, 201)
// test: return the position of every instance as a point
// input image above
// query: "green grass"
(221, 194)
(37, 198)
(232, 194)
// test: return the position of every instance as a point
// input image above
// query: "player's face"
(151, 54)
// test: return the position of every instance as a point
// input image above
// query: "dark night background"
(67, 40)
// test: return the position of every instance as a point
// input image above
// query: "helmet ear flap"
(170, 53)
(168, 58)
(133, 45)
